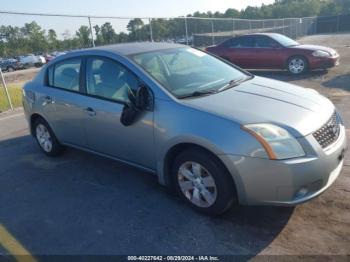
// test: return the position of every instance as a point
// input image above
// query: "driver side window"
(108, 79)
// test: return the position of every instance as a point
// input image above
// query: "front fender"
(177, 124)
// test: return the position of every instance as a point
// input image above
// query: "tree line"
(32, 38)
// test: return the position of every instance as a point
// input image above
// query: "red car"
(48, 57)
(275, 51)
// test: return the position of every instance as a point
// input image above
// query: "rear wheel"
(297, 65)
(46, 138)
(203, 182)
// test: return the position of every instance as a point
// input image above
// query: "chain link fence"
(36, 33)
(85, 31)
(217, 30)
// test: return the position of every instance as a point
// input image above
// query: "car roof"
(137, 47)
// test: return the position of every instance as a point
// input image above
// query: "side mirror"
(139, 101)
(141, 97)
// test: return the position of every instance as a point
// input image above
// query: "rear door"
(107, 83)
(63, 98)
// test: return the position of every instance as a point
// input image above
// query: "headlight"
(277, 142)
(339, 118)
(320, 53)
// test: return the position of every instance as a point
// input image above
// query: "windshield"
(185, 71)
(283, 40)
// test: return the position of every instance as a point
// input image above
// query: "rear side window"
(232, 43)
(245, 42)
(239, 42)
(264, 42)
(65, 74)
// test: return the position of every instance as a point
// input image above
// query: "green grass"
(15, 91)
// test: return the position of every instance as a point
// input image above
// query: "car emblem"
(335, 129)
(332, 127)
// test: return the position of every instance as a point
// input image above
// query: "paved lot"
(84, 204)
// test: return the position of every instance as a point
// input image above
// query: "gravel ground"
(20, 76)
(84, 204)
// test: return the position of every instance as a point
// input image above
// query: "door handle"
(90, 111)
(48, 99)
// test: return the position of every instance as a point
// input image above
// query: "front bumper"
(323, 62)
(287, 182)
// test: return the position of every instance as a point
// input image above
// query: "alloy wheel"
(296, 65)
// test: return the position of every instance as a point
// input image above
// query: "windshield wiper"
(234, 82)
(199, 93)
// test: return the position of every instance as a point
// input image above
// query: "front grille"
(329, 132)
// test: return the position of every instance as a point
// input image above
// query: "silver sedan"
(215, 133)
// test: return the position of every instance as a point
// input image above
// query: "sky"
(119, 8)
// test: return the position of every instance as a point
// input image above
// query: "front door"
(240, 51)
(107, 83)
(268, 54)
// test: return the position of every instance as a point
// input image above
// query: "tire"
(297, 65)
(46, 138)
(213, 179)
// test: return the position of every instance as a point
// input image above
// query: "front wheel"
(46, 138)
(202, 181)
(297, 65)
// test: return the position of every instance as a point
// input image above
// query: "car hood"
(261, 100)
(314, 48)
